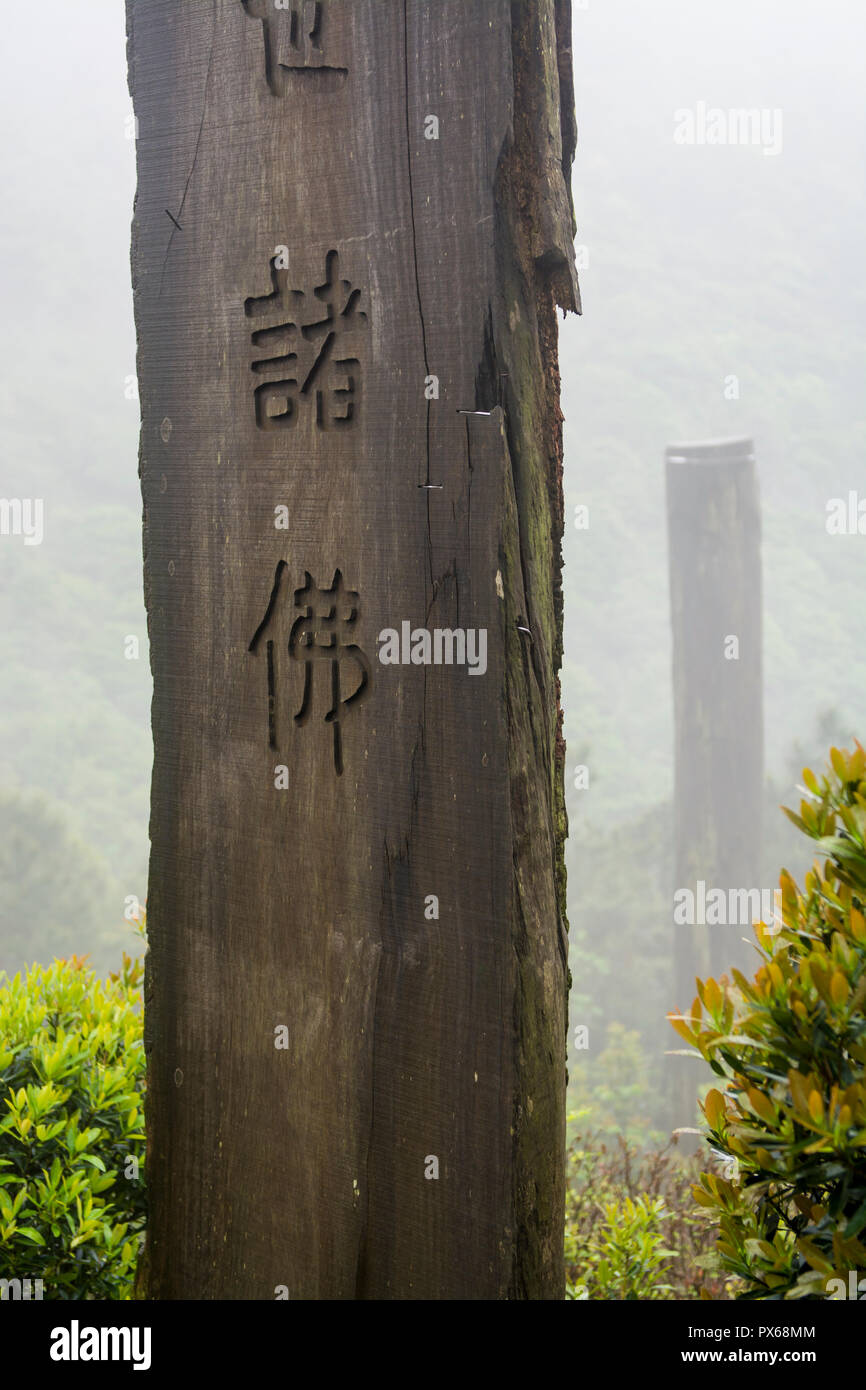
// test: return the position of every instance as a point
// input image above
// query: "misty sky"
(702, 262)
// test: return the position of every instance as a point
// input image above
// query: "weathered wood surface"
(714, 537)
(303, 1167)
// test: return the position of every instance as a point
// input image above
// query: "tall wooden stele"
(351, 232)
(714, 540)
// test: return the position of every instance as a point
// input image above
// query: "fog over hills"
(701, 264)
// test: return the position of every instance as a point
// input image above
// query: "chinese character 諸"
(320, 636)
(308, 354)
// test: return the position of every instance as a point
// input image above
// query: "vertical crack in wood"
(195, 154)
(411, 188)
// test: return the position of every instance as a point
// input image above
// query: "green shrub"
(631, 1228)
(625, 1258)
(71, 1129)
(791, 1045)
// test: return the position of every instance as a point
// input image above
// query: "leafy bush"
(626, 1258)
(791, 1045)
(632, 1231)
(71, 1129)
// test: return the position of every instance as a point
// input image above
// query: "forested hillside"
(74, 736)
(703, 264)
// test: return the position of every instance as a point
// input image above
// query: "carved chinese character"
(293, 38)
(319, 636)
(307, 360)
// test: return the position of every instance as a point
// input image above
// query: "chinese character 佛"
(320, 636)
